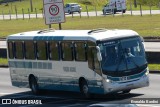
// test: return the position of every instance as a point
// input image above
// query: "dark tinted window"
(29, 50)
(80, 51)
(41, 50)
(10, 50)
(53, 50)
(67, 51)
(19, 49)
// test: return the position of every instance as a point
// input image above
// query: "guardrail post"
(150, 7)
(36, 12)
(3, 15)
(80, 15)
(71, 12)
(87, 11)
(159, 5)
(29, 13)
(95, 10)
(131, 8)
(23, 13)
(42, 13)
(9, 15)
(121, 9)
(113, 11)
(141, 9)
(16, 12)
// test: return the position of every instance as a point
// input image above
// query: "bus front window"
(124, 55)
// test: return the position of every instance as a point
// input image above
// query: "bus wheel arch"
(84, 89)
(33, 84)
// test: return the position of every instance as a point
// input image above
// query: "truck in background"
(115, 6)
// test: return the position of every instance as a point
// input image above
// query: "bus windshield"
(122, 56)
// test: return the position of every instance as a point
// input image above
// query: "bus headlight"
(147, 72)
(109, 81)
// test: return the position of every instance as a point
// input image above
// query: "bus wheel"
(33, 85)
(126, 91)
(84, 89)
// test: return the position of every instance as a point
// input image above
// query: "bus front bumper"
(111, 87)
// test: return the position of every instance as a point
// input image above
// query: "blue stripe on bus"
(30, 65)
(58, 38)
(47, 38)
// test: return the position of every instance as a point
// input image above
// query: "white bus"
(97, 61)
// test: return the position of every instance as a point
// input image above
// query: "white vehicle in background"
(72, 7)
(115, 6)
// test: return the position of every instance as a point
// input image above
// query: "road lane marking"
(5, 93)
(145, 105)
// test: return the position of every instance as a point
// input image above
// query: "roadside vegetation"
(10, 7)
(154, 67)
(146, 26)
(3, 61)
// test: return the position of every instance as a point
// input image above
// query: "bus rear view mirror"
(99, 56)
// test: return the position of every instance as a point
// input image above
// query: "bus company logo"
(6, 101)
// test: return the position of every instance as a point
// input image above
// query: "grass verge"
(3, 61)
(38, 4)
(154, 67)
(146, 25)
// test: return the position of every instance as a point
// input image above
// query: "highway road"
(92, 13)
(150, 46)
(72, 99)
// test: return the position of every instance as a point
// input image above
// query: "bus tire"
(84, 89)
(33, 85)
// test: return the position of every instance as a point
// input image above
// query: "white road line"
(5, 93)
(145, 105)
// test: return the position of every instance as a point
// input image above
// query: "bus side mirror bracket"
(99, 56)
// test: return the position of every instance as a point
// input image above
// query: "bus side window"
(19, 50)
(10, 50)
(41, 50)
(67, 51)
(80, 51)
(29, 50)
(53, 51)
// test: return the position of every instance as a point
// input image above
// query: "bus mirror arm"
(99, 56)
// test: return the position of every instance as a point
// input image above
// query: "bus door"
(93, 62)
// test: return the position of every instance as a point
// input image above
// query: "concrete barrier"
(153, 57)
(3, 53)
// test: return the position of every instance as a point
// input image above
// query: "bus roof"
(91, 35)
